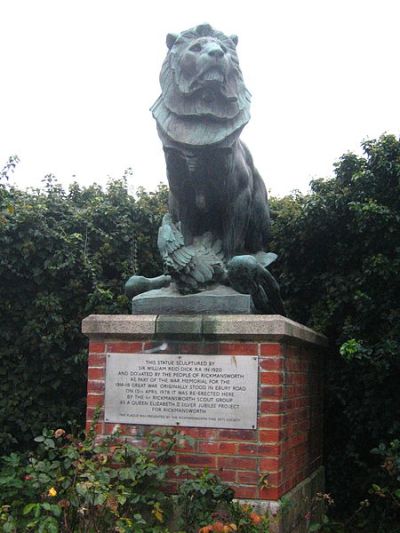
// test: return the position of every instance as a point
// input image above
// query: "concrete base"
(218, 300)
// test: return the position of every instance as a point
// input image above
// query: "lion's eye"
(195, 47)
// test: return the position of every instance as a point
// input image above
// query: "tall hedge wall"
(67, 254)
(339, 249)
(63, 256)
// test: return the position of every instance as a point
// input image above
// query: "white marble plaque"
(187, 390)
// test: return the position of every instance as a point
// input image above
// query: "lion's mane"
(191, 111)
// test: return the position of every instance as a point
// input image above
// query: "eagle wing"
(194, 266)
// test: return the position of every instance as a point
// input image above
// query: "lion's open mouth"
(212, 79)
(213, 75)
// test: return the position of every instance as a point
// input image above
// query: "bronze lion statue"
(217, 228)
(200, 114)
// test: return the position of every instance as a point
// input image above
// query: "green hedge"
(67, 254)
(63, 256)
(339, 260)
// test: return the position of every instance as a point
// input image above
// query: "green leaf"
(28, 508)
(9, 527)
(56, 510)
(121, 499)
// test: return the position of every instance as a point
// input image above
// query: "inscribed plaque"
(186, 390)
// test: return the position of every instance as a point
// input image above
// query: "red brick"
(206, 348)
(270, 435)
(269, 465)
(97, 347)
(148, 345)
(271, 407)
(271, 364)
(218, 447)
(95, 386)
(293, 365)
(245, 348)
(290, 378)
(285, 487)
(301, 402)
(248, 449)
(292, 350)
(301, 449)
(197, 460)
(124, 347)
(290, 391)
(271, 392)
(300, 378)
(271, 378)
(244, 492)
(270, 349)
(291, 482)
(95, 400)
(239, 463)
(270, 493)
(238, 434)
(275, 479)
(96, 373)
(270, 450)
(270, 422)
(303, 426)
(229, 476)
(97, 359)
(296, 440)
(228, 451)
(248, 477)
(259, 450)
(201, 433)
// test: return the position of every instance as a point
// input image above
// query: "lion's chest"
(207, 173)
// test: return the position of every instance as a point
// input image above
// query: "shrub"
(383, 508)
(199, 497)
(65, 255)
(379, 512)
(74, 485)
(339, 251)
(77, 485)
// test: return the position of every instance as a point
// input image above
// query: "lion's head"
(204, 99)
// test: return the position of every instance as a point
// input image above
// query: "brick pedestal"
(285, 448)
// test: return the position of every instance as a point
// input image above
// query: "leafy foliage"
(199, 497)
(339, 250)
(9, 167)
(64, 255)
(385, 496)
(238, 518)
(67, 254)
(74, 485)
(379, 512)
